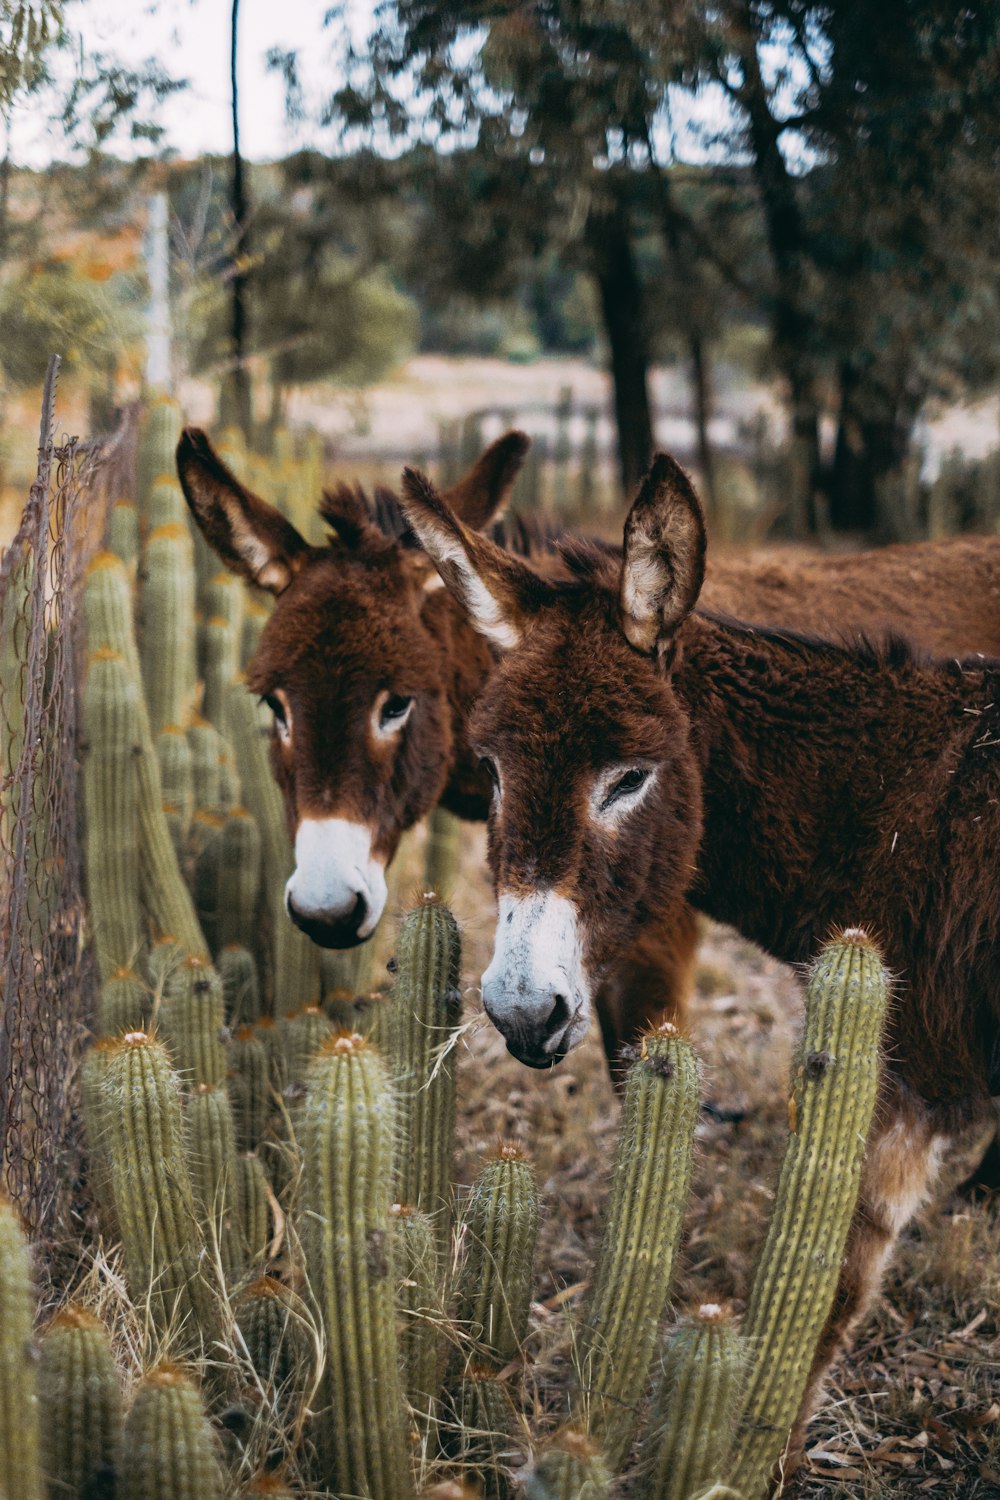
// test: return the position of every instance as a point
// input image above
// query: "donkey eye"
(630, 782)
(277, 707)
(489, 766)
(395, 707)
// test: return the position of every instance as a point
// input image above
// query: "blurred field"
(914, 1407)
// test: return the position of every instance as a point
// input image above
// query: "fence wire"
(46, 986)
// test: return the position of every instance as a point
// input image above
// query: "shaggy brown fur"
(791, 785)
(355, 618)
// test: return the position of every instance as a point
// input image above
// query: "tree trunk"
(613, 264)
(702, 383)
(873, 443)
(239, 399)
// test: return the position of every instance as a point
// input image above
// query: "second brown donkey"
(646, 753)
(371, 670)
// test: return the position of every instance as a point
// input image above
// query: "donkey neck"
(824, 774)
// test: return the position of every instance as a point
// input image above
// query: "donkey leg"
(652, 983)
(902, 1160)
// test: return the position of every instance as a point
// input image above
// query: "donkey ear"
(249, 535)
(481, 494)
(664, 557)
(498, 592)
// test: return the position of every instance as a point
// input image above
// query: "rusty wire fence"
(46, 985)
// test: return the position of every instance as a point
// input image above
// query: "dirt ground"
(914, 1407)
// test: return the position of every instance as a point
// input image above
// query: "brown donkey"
(643, 754)
(371, 670)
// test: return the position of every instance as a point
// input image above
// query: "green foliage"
(53, 310)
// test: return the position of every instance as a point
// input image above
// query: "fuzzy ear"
(481, 494)
(499, 592)
(249, 535)
(664, 557)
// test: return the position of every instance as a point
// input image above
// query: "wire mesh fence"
(46, 987)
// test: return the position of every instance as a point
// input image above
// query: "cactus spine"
(649, 1189)
(111, 731)
(502, 1225)
(169, 1449)
(141, 1119)
(80, 1393)
(693, 1420)
(346, 1133)
(211, 1141)
(192, 1020)
(425, 1010)
(834, 1087)
(19, 1471)
(418, 1299)
(570, 1468)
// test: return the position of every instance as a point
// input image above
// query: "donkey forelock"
(359, 665)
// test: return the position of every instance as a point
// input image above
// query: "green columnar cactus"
(206, 845)
(425, 1009)
(80, 1393)
(158, 443)
(501, 1225)
(192, 1019)
(570, 1467)
(296, 959)
(834, 1087)
(211, 1152)
(169, 909)
(275, 1327)
(649, 1190)
(255, 1211)
(224, 597)
(221, 646)
(443, 852)
(696, 1406)
(240, 985)
(125, 1004)
(230, 791)
(123, 534)
(19, 1472)
(305, 1034)
(273, 1043)
(206, 756)
(249, 1085)
(169, 1449)
(168, 626)
(239, 879)
(92, 1073)
(255, 613)
(480, 1437)
(165, 505)
(151, 1186)
(173, 753)
(346, 1134)
(111, 847)
(165, 956)
(414, 1258)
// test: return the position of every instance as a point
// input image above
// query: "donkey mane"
(889, 649)
(345, 505)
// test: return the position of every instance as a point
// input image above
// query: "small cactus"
(305, 1034)
(254, 1206)
(695, 1408)
(80, 1392)
(249, 1085)
(480, 1437)
(280, 1342)
(501, 1223)
(111, 733)
(191, 1018)
(346, 1134)
(834, 1088)
(424, 1012)
(649, 1190)
(570, 1467)
(169, 1450)
(418, 1299)
(19, 1469)
(141, 1120)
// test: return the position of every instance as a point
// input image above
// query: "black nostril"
(558, 1017)
(331, 931)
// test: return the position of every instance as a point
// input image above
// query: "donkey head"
(354, 665)
(596, 814)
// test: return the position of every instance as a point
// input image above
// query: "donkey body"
(372, 674)
(645, 754)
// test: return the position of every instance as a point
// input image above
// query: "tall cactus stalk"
(111, 735)
(255, 1208)
(173, 754)
(168, 640)
(169, 1450)
(123, 535)
(211, 1152)
(425, 1009)
(249, 1087)
(240, 985)
(501, 1224)
(206, 756)
(141, 1110)
(649, 1190)
(192, 1019)
(346, 1134)
(19, 1467)
(696, 1406)
(165, 505)
(414, 1257)
(221, 650)
(158, 444)
(124, 1005)
(80, 1393)
(239, 879)
(834, 1088)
